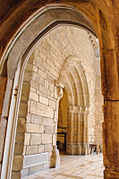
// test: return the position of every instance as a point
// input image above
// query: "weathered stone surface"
(110, 139)
(36, 119)
(48, 121)
(35, 69)
(27, 76)
(23, 109)
(16, 175)
(34, 84)
(3, 124)
(41, 149)
(41, 73)
(25, 172)
(43, 100)
(21, 125)
(46, 138)
(36, 169)
(49, 129)
(17, 163)
(4, 83)
(48, 148)
(35, 139)
(109, 80)
(18, 149)
(31, 150)
(27, 139)
(25, 91)
(52, 104)
(20, 138)
(41, 109)
(42, 128)
(30, 127)
(33, 96)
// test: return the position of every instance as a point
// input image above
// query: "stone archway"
(34, 101)
(16, 54)
(42, 68)
(74, 80)
(109, 85)
(62, 123)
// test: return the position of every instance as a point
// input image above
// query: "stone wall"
(38, 115)
(99, 118)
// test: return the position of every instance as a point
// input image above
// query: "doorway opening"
(62, 123)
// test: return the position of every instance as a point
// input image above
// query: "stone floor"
(79, 167)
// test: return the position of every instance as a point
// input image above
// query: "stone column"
(69, 137)
(85, 138)
(71, 144)
(110, 89)
(111, 140)
(80, 131)
(55, 157)
(77, 135)
(83, 131)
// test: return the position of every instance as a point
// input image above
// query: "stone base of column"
(101, 148)
(55, 158)
(110, 174)
(77, 149)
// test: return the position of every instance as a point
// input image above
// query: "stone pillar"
(55, 157)
(77, 135)
(71, 144)
(85, 139)
(3, 118)
(111, 140)
(81, 148)
(69, 139)
(83, 131)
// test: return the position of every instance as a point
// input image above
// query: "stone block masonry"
(38, 119)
